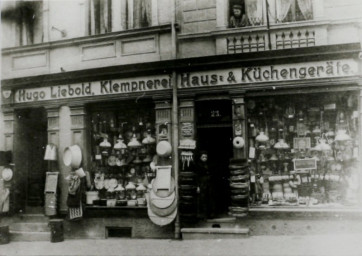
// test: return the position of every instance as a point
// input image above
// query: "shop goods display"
(72, 156)
(162, 209)
(188, 194)
(306, 150)
(4, 197)
(51, 195)
(123, 149)
(7, 174)
(239, 187)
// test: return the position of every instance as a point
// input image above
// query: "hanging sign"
(98, 88)
(271, 73)
(187, 129)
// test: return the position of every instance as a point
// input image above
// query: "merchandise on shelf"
(306, 149)
(123, 145)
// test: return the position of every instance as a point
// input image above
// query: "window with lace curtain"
(245, 13)
(100, 16)
(137, 13)
(292, 10)
(29, 23)
(132, 14)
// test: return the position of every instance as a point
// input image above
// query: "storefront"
(281, 130)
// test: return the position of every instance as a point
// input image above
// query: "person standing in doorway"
(206, 208)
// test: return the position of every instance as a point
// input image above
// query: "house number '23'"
(215, 113)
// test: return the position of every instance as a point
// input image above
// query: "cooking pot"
(238, 142)
(7, 174)
(163, 148)
(72, 156)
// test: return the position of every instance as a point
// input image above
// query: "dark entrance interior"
(29, 146)
(214, 134)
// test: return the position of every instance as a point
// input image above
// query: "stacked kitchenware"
(161, 197)
(188, 195)
(239, 185)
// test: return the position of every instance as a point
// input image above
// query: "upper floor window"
(244, 13)
(100, 17)
(130, 14)
(28, 20)
(293, 10)
(139, 14)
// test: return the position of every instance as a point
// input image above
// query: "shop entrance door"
(30, 143)
(214, 135)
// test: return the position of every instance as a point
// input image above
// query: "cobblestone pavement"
(331, 244)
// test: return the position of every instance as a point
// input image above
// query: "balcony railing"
(258, 41)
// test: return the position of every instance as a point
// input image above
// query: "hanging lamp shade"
(281, 144)
(262, 137)
(120, 145)
(342, 136)
(149, 140)
(105, 143)
(134, 143)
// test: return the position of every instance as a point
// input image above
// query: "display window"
(122, 149)
(306, 149)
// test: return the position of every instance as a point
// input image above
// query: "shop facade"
(295, 124)
(95, 107)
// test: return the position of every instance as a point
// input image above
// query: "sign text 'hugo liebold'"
(105, 87)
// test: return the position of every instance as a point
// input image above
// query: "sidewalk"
(331, 244)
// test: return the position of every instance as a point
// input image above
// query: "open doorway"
(214, 135)
(29, 148)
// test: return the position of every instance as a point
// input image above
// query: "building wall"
(204, 29)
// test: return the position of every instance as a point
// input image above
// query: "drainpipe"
(175, 157)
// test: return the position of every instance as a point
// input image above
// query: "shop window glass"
(293, 10)
(28, 19)
(306, 150)
(100, 16)
(123, 146)
(245, 13)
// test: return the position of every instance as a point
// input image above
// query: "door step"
(29, 236)
(33, 217)
(214, 233)
(228, 222)
(30, 226)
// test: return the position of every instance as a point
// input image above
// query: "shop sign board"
(98, 88)
(270, 73)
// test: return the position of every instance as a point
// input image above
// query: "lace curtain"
(254, 11)
(100, 16)
(142, 13)
(282, 9)
(306, 7)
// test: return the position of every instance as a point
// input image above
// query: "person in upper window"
(238, 19)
